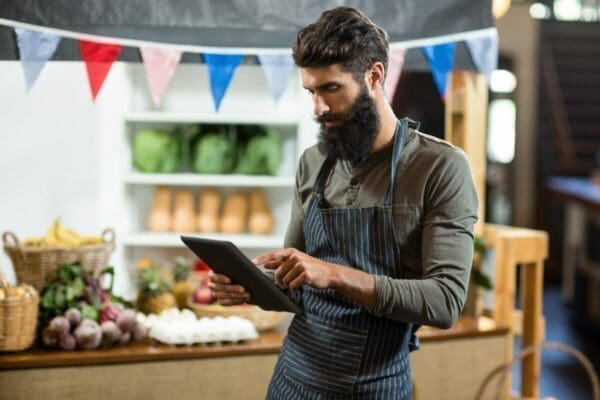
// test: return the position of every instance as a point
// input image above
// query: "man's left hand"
(294, 268)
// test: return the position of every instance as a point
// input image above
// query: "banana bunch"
(60, 236)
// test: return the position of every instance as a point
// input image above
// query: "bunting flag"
(220, 69)
(277, 69)
(98, 58)
(160, 66)
(395, 64)
(484, 53)
(35, 49)
(441, 60)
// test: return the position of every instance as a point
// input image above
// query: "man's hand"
(226, 293)
(294, 268)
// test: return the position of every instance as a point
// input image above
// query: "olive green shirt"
(434, 209)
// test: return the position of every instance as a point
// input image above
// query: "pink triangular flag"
(160, 66)
(98, 58)
(395, 64)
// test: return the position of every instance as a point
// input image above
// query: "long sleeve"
(450, 211)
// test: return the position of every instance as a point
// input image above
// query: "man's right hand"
(226, 293)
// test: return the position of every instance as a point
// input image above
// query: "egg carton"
(182, 327)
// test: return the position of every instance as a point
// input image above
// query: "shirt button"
(353, 181)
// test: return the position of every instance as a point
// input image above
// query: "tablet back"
(225, 258)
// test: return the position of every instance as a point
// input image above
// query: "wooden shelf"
(192, 179)
(246, 241)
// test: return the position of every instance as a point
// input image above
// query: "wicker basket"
(36, 265)
(18, 318)
(262, 320)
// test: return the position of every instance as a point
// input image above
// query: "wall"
(519, 38)
(49, 165)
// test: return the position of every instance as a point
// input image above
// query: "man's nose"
(320, 106)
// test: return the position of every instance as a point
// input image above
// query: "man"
(380, 239)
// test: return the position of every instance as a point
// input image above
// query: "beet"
(110, 332)
(67, 342)
(126, 320)
(74, 317)
(88, 334)
(60, 325)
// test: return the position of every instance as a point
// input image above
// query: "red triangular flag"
(98, 58)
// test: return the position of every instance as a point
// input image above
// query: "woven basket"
(36, 265)
(18, 318)
(262, 320)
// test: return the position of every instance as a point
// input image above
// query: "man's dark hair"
(342, 36)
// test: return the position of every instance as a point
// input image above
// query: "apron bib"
(337, 348)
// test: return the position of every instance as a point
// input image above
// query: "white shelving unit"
(191, 179)
(188, 101)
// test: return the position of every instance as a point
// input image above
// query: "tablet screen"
(225, 258)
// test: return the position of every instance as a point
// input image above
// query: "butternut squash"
(209, 204)
(260, 220)
(184, 215)
(235, 213)
(160, 218)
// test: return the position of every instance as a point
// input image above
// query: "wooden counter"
(150, 370)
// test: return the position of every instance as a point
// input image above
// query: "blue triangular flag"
(441, 60)
(220, 69)
(35, 48)
(277, 69)
(484, 53)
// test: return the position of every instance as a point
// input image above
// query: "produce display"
(235, 213)
(209, 204)
(241, 211)
(261, 155)
(214, 153)
(260, 219)
(182, 288)
(59, 235)
(184, 215)
(153, 288)
(156, 152)
(208, 149)
(177, 327)
(76, 312)
(159, 219)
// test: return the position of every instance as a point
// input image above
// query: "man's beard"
(352, 139)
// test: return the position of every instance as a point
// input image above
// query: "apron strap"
(402, 129)
(323, 175)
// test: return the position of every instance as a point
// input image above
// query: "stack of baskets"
(36, 265)
(18, 316)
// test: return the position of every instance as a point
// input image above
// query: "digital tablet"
(225, 258)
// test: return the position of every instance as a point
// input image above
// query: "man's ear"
(376, 75)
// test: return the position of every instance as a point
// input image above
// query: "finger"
(272, 265)
(274, 255)
(231, 296)
(218, 278)
(292, 274)
(298, 281)
(231, 302)
(226, 288)
(282, 271)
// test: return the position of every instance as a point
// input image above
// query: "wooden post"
(466, 126)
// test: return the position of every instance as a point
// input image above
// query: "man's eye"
(331, 88)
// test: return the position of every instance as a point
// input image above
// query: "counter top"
(148, 350)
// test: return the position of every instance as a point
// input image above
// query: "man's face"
(346, 111)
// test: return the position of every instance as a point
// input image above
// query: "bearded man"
(381, 235)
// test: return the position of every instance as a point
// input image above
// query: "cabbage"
(155, 151)
(261, 155)
(213, 153)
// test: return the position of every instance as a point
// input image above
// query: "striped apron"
(337, 348)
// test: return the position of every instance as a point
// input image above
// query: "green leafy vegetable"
(155, 151)
(261, 155)
(214, 153)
